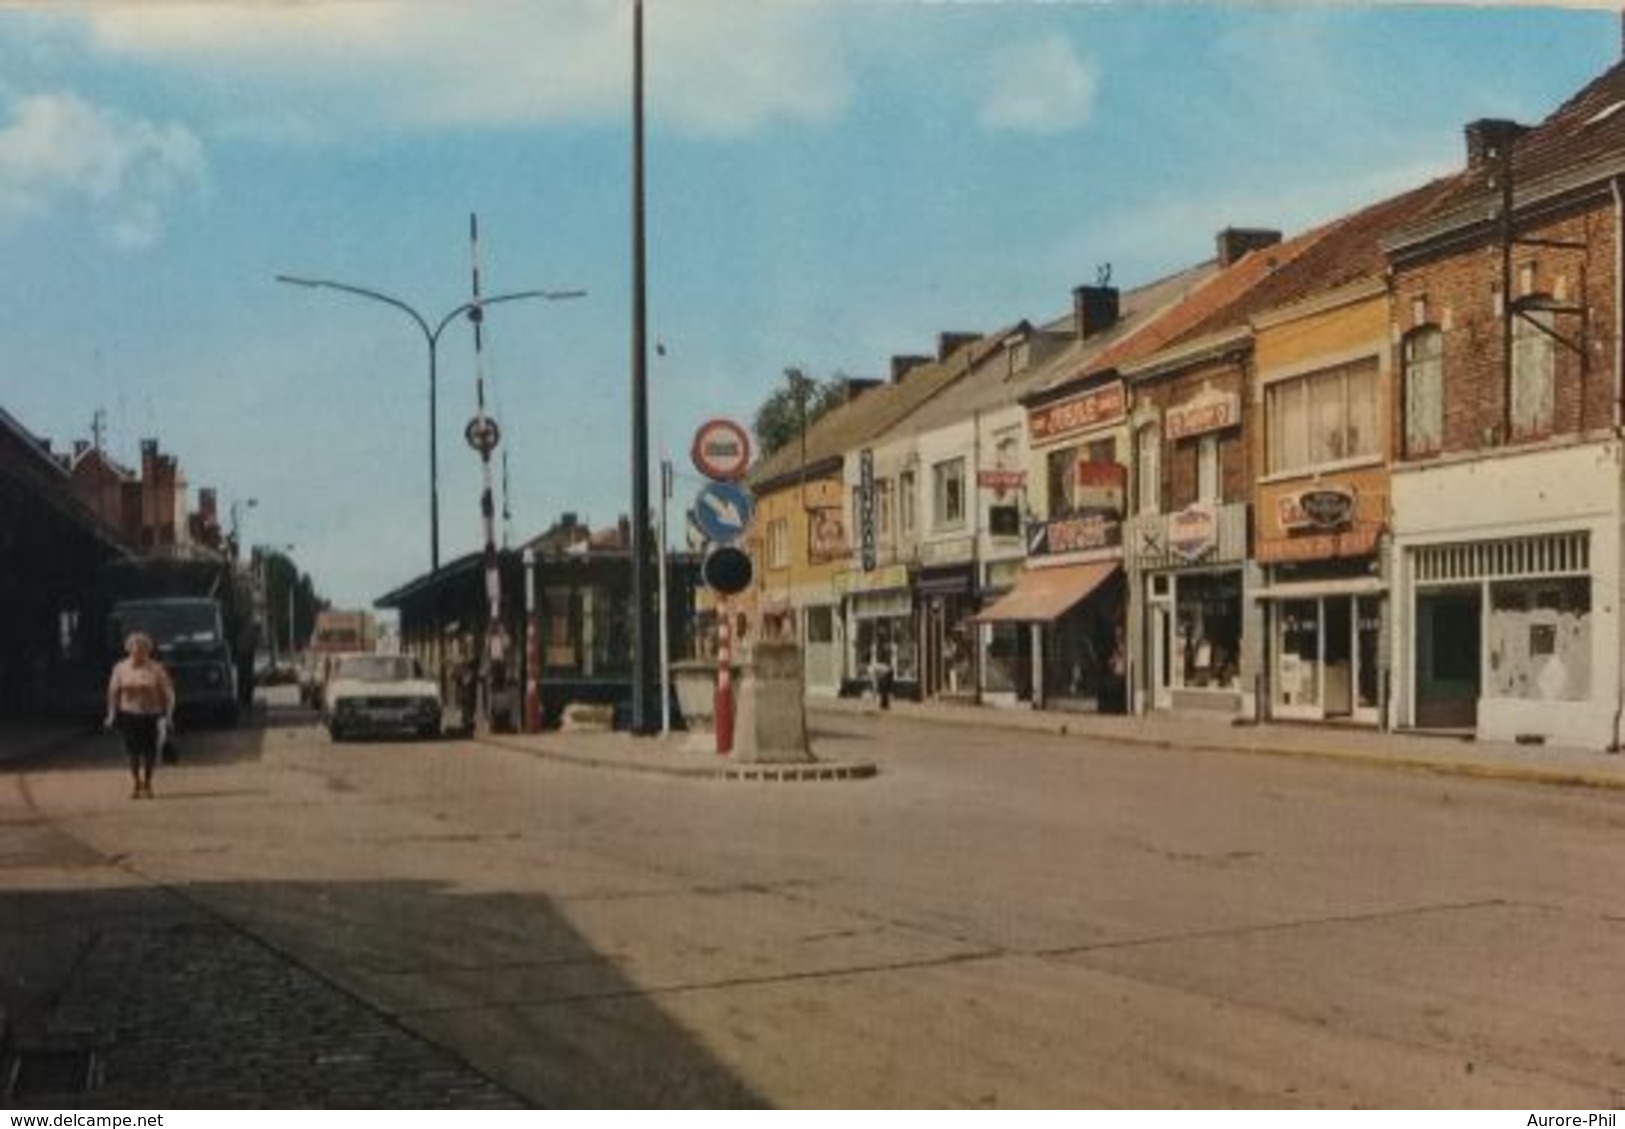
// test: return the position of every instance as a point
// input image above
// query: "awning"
(1312, 589)
(1044, 594)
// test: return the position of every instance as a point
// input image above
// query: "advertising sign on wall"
(1209, 411)
(1098, 406)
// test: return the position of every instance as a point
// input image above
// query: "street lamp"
(431, 337)
(237, 508)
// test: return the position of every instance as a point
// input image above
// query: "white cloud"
(60, 149)
(714, 67)
(1039, 87)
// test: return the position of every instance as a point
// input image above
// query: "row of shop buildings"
(1368, 474)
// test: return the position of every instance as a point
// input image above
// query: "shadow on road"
(199, 743)
(371, 994)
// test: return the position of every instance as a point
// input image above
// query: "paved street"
(996, 919)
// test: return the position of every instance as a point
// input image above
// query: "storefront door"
(1448, 642)
(1160, 648)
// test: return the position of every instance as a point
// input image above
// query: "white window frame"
(1534, 376)
(1364, 449)
(907, 491)
(1209, 472)
(778, 543)
(943, 475)
(1424, 391)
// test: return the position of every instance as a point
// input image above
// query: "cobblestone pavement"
(195, 1014)
(177, 1007)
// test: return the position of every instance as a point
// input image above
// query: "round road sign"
(721, 450)
(726, 570)
(483, 434)
(723, 510)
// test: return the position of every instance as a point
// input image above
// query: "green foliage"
(779, 420)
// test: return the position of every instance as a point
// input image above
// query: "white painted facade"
(1489, 528)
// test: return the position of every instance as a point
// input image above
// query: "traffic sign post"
(721, 450)
(723, 511)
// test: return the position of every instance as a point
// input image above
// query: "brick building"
(1507, 490)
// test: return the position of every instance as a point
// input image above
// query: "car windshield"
(171, 624)
(376, 668)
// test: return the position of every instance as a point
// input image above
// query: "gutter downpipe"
(1619, 419)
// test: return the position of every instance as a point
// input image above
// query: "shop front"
(1191, 569)
(1006, 651)
(1508, 585)
(881, 630)
(945, 601)
(1325, 598)
(1070, 617)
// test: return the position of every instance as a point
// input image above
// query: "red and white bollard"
(533, 648)
(723, 704)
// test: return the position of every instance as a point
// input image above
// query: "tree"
(780, 419)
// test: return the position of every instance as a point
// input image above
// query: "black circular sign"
(482, 434)
(726, 570)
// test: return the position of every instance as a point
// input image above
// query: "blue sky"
(829, 184)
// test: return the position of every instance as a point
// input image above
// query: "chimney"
(949, 343)
(903, 365)
(569, 520)
(1486, 137)
(855, 386)
(1094, 309)
(149, 458)
(208, 507)
(1234, 242)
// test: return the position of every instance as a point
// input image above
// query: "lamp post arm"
(467, 307)
(360, 291)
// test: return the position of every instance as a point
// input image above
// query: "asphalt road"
(994, 920)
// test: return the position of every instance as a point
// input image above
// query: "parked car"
(374, 693)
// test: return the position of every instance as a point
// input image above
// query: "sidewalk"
(694, 755)
(1446, 755)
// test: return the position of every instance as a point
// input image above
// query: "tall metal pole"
(665, 611)
(433, 339)
(642, 654)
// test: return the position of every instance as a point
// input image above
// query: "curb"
(777, 773)
(1524, 774)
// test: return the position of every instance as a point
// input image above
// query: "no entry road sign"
(721, 450)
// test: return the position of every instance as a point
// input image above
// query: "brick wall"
(1457, 293)
(1179, 457)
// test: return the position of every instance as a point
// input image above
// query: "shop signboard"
(1205, 412)
(1074, 534)
(1193, 532)
(1098, 406)
(1318, 507)
(1101, 487)
(1000, 480)
(852, 582)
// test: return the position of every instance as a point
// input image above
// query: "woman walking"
(140, 699)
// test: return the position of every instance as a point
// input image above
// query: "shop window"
(1208, 610)
(1148, 468)
(948, 494)
(1534, 375)
(1322, 418)
(1540, 639)
(1424, 391)
(1297, 656)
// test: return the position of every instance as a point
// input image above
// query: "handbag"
(167, 752)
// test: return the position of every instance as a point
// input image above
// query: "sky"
(829, 184)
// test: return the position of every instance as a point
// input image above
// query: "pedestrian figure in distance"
(141, 704)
